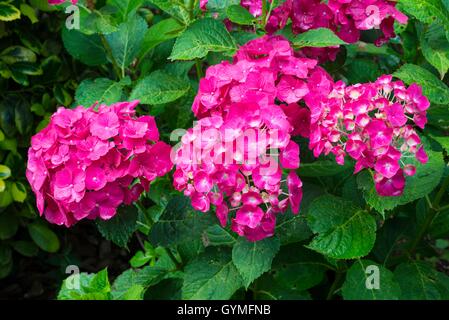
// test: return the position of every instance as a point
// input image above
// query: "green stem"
(191, 8)
(120, 73)
(199, 69)
(173, 258)
(270, 9)
(264, 12)
(422, 230)
(434, 209)
(440, 194)
(443, 208)
(334, 286)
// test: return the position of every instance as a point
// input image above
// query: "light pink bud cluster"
(89, 161)
(373, 123)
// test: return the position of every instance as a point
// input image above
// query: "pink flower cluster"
(345, 17)
(373, 123)
(227, 159)
(224, 162)
(264, 70)
(88, 162)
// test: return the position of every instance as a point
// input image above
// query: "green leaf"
(322, 168)
(9, 225)
(29, 12)
(438, 116)
(302, 270)
(179, 69)
(5, 172)
(18, 192)
(440, 225)
(5, 254)
(97, 21)
(424, 10)
(16, 54)
(419, 281)
(179, 223)
(217, 236)
(42, 5)
(425, 180)
(86, 48)
(252, 259)
(162, 31)
(435, 47)
(433, 88)
(371, 71)
(238, 14)
(23, 118)
(26, 248)
(175, 8)
(145, 277)
(200, 38)
(6, 262)
(125, 7)
(344, 230)
(28, 68)
(43, 237)
(360, 282)
(120, 228)
(62, 95)
(5, 196)
(269, 289)
(158, 88)
(126, 42)
(211, 276)
(101, 90)
(91, 287)
(318, 38)
(443, 141)
(8, 12)
(169, 289)
(139, 259)
(291, 228)
(135, 292)
(392, 239)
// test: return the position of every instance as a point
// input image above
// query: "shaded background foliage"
(156, 51)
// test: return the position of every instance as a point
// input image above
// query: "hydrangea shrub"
(271, 149)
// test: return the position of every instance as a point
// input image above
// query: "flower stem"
(118, 72)
(199, 69)
(334, 286)
(264, 12)
(440, 194)
(173, 258)
(434, 209)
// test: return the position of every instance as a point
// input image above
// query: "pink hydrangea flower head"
(346, 18)
(234, 158)
(373, 123)
(89, 161)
